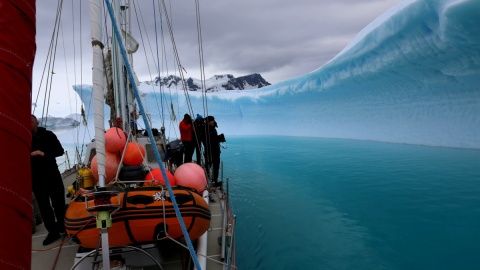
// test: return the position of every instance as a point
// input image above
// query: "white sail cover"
(98, 86)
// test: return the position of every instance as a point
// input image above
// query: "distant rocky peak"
(215, 83)
(167, 81)
(219, 77)
(246, 82)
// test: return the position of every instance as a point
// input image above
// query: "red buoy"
(115, 140)
(134, 154)
(112, 161)
(156, 178)
(191, 175)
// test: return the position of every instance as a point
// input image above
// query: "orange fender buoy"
(112, 161)
(191, 175)
(115, 140)
(134, 154)
(157, 177)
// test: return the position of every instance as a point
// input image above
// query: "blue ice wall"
(411, 76)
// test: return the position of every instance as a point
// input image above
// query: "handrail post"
(104, 221)
(102, 203)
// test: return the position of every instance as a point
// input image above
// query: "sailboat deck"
(62, 254)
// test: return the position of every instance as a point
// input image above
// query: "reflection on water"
(305, 203)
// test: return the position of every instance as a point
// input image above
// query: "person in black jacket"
(197, 137)
(212, 149)
(47, 183)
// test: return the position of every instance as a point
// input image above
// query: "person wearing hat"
(197, 137)
(133, 123)
(186, 131)
(212, 149)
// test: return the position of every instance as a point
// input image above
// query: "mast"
(99, 118)
(147, 126)
(98, 86)
(118, 72)
(123, 92)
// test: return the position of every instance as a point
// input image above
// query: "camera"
(221, 138)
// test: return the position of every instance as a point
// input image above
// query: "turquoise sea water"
(312, 203)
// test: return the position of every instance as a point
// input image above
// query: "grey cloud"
(282, 38)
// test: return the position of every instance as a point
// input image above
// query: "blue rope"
(150, 135)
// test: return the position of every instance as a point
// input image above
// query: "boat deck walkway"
(62, 253)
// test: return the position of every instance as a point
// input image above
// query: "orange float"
(191, 175)
(140, 218)
(115, 140)
(112, 161)
(134, 154)
(156, 178)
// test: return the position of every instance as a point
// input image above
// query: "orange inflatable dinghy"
(140, 218)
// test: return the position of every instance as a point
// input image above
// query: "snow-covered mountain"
(214, 84)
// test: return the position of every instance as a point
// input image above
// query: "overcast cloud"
(280, 39)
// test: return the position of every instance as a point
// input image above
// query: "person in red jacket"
(186, 131)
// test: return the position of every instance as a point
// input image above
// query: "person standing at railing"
(212, 149)
(133, 123)
(197, 137)
(47, 183)
(186, 132)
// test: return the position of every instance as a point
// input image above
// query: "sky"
(279, 39)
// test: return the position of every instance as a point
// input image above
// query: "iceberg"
(411, 76)
(60, 123)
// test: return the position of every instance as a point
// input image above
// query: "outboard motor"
(175, 150)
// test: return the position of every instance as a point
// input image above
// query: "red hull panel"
(17, 52)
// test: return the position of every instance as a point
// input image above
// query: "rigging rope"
(51, 51)
(203, 79)
(157, 155)
(158, 58)
(142, 28)
(58, 38)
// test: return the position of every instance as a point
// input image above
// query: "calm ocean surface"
(312, 203)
